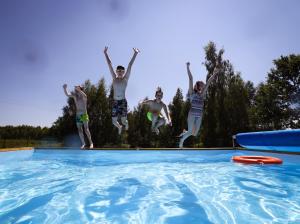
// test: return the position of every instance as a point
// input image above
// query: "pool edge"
(15, 149)
(166, 149)
(137, 148)
(147, 149)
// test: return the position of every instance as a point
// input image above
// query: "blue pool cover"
(284, 140)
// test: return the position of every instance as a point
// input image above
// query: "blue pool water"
(75, 186)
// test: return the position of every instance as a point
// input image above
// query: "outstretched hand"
(65, 86)
(136, 50)
(105, 50)
(188, 64)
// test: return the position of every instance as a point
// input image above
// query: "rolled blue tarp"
(283, 140)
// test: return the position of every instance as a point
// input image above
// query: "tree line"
(232, 106)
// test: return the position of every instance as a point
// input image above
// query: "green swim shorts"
(82, 118)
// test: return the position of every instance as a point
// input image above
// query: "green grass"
(13, 143)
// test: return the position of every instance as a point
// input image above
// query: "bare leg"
(154, 120)
(160, 122)
(117, 124)
(81, 135)
(125, 122)
(88, 134)
(197, 126)
(154, 123)
(189, 132)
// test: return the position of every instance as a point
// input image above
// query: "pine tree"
(227, 106)
(210, 123)
(113, 137)
(139, 133)
(178, 116)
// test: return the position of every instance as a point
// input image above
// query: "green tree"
(228, 101)
(178, 115)
(210, 122)
(139, 133)
(274, 99)
(237, 107)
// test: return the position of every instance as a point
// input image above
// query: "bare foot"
(184, 131)
(120, 130)
(83, 146)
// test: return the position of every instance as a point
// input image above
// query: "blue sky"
(45, 44)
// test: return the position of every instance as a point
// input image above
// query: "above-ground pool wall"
(284, 140)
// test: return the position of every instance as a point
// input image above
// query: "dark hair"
(158, 90)
(197, 84)
(80, 87)
(120, 67)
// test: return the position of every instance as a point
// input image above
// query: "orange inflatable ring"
(257, 160)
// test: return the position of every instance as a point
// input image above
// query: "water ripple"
(167, 188)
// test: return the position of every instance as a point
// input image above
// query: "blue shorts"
(119, 108)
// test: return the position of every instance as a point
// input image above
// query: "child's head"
(198, 87)
(159, 94)
(78, 88)
(120, 71)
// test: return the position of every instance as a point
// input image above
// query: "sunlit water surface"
(75, 186)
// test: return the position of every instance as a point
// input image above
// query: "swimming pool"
(76, 186)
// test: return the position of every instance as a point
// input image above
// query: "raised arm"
(190, 78)
(128, 71)
(66, 91)
(209, 81)
(113, 74)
